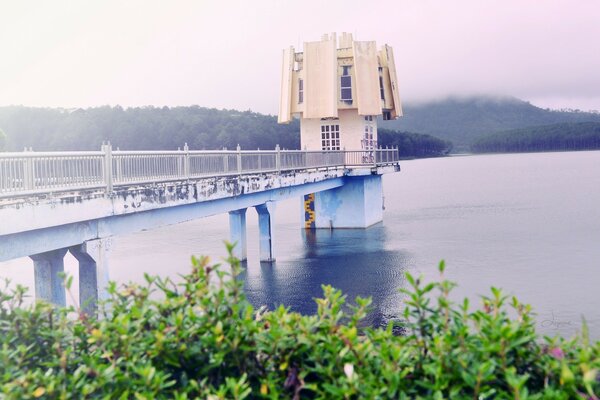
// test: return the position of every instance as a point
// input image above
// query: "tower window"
(300, 90)
(346, 84)
(330, 137)
(381, 88)
(368, 143)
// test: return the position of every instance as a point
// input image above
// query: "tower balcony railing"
(34, 173)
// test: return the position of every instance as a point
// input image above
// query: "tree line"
(414, 145)
(464, 120)
(162, 128)
(143, 128)
(556, 137)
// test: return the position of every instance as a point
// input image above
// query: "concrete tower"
(337, 89)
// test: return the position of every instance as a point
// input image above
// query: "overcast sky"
(227, 54)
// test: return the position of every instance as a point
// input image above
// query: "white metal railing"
(32, 172)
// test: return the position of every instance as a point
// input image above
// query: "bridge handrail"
(37, 154)
(29, 172)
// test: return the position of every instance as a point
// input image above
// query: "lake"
(527, 223)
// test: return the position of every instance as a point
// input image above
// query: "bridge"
(52, 203)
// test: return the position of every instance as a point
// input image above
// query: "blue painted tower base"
(356, 204)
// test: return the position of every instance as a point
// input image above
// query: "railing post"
(277, 158)
(186, 161)
(28, 171)
(239, 159)
(225, 161)
(374, 156)
(119, 169)
(108, 172)
(180, 162)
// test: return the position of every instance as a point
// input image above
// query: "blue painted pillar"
(266, 223)
(93, 272)
(237, 233)
(356, 204)
(47, 267)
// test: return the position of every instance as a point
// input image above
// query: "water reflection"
(353, 260)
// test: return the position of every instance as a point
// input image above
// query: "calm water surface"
(528, 223)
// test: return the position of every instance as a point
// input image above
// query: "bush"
(201, 338)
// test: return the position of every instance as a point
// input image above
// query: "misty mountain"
(463, 120)
(456, 120)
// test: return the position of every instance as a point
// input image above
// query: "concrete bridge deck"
(55, 202)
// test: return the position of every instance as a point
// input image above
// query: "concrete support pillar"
(93, 272)
(237, 233)
(356, 204)
(49, 285)
(266, 223)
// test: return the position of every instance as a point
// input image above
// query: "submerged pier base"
(266, 222)
(237, 233)
(356, 204)
(92, 257)
(47, 270)
(93, 272)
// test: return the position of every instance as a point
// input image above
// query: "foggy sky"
(227, 54)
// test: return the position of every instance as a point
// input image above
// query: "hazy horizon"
(414, 103)
(228, 54)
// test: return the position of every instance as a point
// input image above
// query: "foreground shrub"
(201, 339)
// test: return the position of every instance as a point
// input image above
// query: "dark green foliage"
(414, 145)
(558, 137)
(202, 339)
(463, 120)
(151, 128)
(146, 128)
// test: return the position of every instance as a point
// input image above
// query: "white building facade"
(338, 88)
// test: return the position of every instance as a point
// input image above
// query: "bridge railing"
(31, 172)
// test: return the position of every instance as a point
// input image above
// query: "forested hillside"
(151, 128)
(460, 121)
(557, 137)
(145, 128)
(414, 145)
(464, 120)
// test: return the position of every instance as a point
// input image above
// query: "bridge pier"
(266, 222)
(47, 267)
(237, 233)
(356, 204)
(93, 272)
